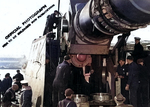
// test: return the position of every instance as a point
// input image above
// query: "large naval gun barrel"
(100, 19)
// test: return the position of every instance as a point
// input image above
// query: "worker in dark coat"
(9, 79)
(61, 80)
(5, 84)
(51, 19)
(26, 96)
(121, 73)
(9, 96)
(67, 101)
(138, 50)
(133, 80)
(19, 76)
(143, 94)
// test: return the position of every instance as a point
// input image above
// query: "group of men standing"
(133, 73)
(134, 77)
(19, 85)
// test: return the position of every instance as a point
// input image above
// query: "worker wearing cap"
(67, 101)
(9, 96)
(51, 19)
(61, 80)
(26, 96)
(138, 50)
(121, 73)
(133, 80)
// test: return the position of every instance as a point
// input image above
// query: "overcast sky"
(14, 12)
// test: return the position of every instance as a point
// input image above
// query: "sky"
(14, 12)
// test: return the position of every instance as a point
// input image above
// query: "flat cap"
(67, 57)
(68, 92)
(137, 38)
